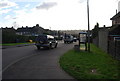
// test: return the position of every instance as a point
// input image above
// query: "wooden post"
(88, 26)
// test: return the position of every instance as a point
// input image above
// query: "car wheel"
(65, 42)
(56, 46)
(50, 47)
(38, 47)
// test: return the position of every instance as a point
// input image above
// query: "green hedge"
(11, 38)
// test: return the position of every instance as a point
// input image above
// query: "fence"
(112, 45)
(114, 48)
(96, 41)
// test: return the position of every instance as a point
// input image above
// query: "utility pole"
(88, 26)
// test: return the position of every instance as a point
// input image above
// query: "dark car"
(75, 39)
(68, 39)
(46, 41)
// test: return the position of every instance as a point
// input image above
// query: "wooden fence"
(114, 48)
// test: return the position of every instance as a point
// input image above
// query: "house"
(116, 19)
(115, 28)
(30, 31)
(109, 38)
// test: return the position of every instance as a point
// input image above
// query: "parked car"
(68, 39)
(46, 41)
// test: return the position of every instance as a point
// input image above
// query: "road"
(37, 64)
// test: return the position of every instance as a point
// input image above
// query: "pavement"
(21, 45)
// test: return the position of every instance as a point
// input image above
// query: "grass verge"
(94, 65)
(12, 44)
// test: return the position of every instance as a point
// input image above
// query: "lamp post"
(88, 26)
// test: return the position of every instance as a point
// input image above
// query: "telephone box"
(83, 40)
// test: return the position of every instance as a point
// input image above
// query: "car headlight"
(56, 41)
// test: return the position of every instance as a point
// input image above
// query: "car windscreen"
(50, 39)
(41, 38)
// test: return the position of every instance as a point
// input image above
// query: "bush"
(9, 38)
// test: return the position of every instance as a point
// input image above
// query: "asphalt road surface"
(35, 64)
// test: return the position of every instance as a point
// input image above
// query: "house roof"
(24, 29)
(115, 16)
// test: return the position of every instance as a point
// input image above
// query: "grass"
(12, 44)
(94, 65)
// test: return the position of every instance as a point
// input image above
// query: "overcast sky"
(56, 14)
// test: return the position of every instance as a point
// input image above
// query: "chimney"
(37, 25)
